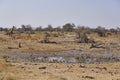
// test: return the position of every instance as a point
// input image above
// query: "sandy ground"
(55, 71)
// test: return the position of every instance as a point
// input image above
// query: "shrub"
(101, 31)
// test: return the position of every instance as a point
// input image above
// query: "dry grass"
(32, 71)
(65, 42)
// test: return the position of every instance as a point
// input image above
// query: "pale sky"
(90, 13)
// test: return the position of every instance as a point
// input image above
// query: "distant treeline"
(68, 27)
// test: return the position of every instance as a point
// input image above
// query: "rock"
(81, 66)
(88, 77)
(42, 67)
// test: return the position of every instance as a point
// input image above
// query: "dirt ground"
(56, 71)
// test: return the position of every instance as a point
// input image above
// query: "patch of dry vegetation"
(65, 41)
(51, 40)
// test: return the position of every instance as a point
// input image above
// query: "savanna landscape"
(59, 39)
(63, 53)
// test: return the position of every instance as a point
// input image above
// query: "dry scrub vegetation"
(19, 48)
(39, 42)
